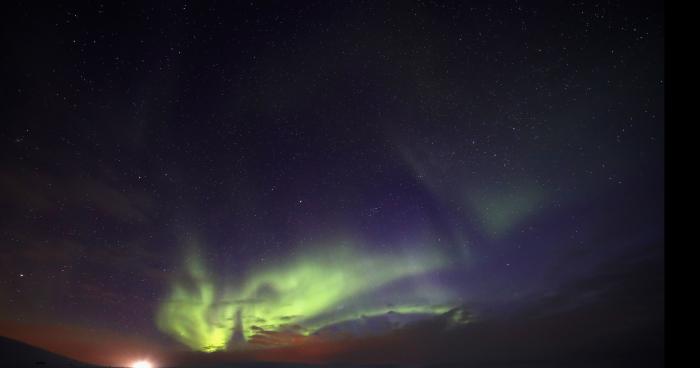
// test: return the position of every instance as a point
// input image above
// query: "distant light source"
(142, 364)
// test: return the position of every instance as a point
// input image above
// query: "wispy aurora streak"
(315, 289)
(192, 314)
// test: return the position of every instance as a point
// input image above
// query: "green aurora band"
(315, 289)
(192, 314)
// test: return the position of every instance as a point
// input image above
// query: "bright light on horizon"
(142, 364)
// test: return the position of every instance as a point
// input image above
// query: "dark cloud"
(612, 319)
(284, 336)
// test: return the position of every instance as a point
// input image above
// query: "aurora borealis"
(408, 183)
(310, 292)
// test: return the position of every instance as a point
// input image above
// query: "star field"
(265, 180)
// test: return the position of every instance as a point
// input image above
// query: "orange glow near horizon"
(88, 345)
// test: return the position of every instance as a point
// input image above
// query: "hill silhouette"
(15, 353)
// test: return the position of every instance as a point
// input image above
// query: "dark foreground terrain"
(18, 354)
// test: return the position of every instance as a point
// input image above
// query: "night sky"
(326, 181)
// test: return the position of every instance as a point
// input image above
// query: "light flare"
(142, 364)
